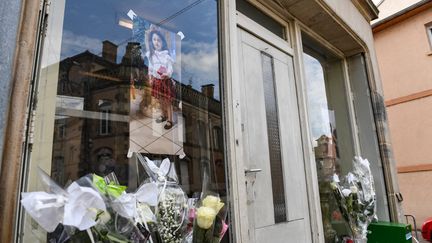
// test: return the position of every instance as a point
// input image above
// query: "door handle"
(252, 171)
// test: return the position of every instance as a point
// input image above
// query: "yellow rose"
(213, 202)
(205, 217)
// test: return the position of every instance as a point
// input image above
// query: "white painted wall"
(349, 13)
(389, 7)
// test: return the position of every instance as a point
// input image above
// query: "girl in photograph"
(160, 70)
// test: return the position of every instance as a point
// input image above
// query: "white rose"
(205, 217)
(213, 202)
(346, 192)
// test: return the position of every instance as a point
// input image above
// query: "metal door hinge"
(31, 127)
(44, 11)
(45, 6)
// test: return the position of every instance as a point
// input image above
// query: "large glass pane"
(330, 125)
(129, 76)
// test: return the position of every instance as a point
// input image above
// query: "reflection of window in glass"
(202, 134)
(58, 169)
(105, 123)
(190, 130)
(217, 137)
(185, 134)
(330, 126)
(61, 128)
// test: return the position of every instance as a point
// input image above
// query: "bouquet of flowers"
(356, 198)
(209, 225)
(116, 228)
(207, 215)
(83, 206)
(171, 207)
(99, 209)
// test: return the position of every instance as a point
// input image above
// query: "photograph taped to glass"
(156, 121)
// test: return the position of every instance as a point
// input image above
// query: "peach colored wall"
(402, 52)
(417, 190)
(411, 132)
(411, 135)
(405, 63)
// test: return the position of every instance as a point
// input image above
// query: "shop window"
(330, 124)
(429, 33)
(128, 76)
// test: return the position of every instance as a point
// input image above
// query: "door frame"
(231, 20)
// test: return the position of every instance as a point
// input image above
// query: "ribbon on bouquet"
(157, 173)
(77, 207)
(127, 204)
(161, 171)
(136, 205)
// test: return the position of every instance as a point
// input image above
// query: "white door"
(275, 176)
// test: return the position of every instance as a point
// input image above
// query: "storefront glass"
(330, 125)
(119, 77)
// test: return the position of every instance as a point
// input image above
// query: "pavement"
(420, 240)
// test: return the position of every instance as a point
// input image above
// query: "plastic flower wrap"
(84, 210)
(77, 206)
(171, 208)
(209, 222)
(137, 205)
(99, 209)
(113, 226)
(209, 226)
(356, 198)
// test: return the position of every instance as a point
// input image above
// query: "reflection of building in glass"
(326, 148)
(94, 136)
(95, 133)
(326, 162)
(202, 114)
(326, 156)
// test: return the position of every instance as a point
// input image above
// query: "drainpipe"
(394, 197)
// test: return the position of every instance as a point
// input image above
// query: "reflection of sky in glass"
(88, 23)
(319, 115)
